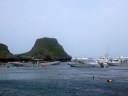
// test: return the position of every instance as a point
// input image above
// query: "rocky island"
(44, 48)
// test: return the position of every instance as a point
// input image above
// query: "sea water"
(63, 80)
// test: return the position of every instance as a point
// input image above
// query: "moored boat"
(119, 61)
(19, 64)
(50, 63)
(84, 63)
(103, 60)
(114, 63)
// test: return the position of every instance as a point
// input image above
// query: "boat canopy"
(38, 59)
(81, 58)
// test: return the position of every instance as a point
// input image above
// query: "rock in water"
(48, 49)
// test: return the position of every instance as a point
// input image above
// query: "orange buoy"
(109, 80)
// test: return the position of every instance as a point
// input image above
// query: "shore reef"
(44, 48)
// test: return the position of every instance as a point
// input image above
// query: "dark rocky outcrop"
(47, 49)
(5, 54)
(44, 48)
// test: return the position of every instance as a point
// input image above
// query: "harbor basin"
(63, 80)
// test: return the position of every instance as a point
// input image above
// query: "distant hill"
(4, 52)
(48, 49)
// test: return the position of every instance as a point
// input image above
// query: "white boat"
(19, 64)
(84, 63)
(119, 61)
(103, 60)
(114, 63)
(50, 63)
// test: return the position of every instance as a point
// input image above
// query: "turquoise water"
(63, 80)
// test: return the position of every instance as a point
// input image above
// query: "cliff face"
(4, 52)
(48, 49)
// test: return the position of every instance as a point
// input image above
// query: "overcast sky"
(85, 28)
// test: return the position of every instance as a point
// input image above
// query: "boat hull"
(20, 64)
(50, 63)
(114, 64)
(85, 65)
(117, 64)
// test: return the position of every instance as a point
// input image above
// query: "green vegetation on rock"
(4, 52)
(47, 48)
(44, 48)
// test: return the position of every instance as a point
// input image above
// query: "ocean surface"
(63, 80)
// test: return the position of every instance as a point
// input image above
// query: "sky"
(85, 28)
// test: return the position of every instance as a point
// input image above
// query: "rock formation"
(47, 49)
(4, 52)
